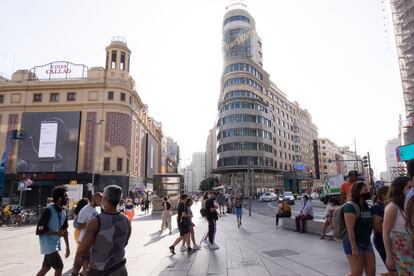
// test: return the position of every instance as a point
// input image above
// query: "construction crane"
(14, 135)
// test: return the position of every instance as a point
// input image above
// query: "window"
(122, 64)
(119, 164)
(127, 166)
(123, 97)
(54, 97)
(110, 95)
(113, 60)
(130, 100)
(107, 162)
(37, 97)
(71, 96)
(1, 98)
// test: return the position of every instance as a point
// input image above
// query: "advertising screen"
(50, 143)
(405, 153)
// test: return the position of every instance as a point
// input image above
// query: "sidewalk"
(257, 248)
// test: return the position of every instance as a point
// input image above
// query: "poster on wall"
(51, 142)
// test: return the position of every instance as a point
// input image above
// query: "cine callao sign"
(58, 69)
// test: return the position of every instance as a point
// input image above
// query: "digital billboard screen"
(405, 153)
(50, 143)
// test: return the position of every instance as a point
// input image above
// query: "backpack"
(338, 219)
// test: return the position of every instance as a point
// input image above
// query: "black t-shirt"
(180, 210)
(378, 209)
(166, 205)
(209, 205)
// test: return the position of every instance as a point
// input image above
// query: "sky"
(336, 58)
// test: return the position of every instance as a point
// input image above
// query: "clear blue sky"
(336, 58)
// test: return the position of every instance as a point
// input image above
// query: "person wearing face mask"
(397, 239)
(357, 237)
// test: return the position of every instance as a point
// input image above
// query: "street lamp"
(99, 150)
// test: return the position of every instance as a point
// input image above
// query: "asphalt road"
(270, 208)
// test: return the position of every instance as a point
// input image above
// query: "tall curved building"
(257, 132)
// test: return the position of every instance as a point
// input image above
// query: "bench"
(311, 226)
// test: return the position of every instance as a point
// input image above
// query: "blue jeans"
(239, 213)
(362, 247)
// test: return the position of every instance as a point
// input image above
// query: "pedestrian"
(183, 225)
(204, 214)
(146, 205)
(347, 186)
(85, 215)
(333, 203)
(212, 217)
(189, 203)
(81, 203)
(220, 200)
(238, 204)
(397, 238)
(377, 212)
(357, 237)
(129, 210)
(121, 206)
(53, 225)
(166, 215)
(305, 214)
(105, 238)
(284, 211)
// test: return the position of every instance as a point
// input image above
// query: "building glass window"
(71, 96)
(130, 100)
(110, 95)
(1, 98)
(244, 68)
(107, 162)
(107, 60)
(113, 59)
(119, 164)
(54, 97)
(122, 64)
(37, 97)
(243, 80)
(236, 18)
(123, 97)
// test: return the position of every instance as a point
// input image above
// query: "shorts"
(362, 247)
(53, 260)
(184, 226)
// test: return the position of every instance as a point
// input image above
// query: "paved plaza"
(257, 248)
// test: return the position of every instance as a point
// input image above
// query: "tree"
(207, 184)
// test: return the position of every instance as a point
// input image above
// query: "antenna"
(236, 4)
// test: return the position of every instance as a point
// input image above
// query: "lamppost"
(99, 150)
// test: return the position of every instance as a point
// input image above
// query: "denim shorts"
(362, 247)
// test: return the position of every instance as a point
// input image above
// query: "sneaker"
(196, 247)
(214, 246)
(183, 248)
(206, 243)
(172, 250)
(190, 250)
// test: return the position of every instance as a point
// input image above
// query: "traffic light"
(365, 161)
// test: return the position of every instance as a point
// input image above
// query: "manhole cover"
(280, 252)
(244, 263)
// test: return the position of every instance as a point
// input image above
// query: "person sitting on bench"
(284, 211)
(306, 213)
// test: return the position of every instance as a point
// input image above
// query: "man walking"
(220, 201)
(106, 237)
(166, 215)
(182, 226)
(212, 218)
(53, 225)
(347, 186)
(305, 214)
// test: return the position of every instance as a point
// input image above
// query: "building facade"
(331, 158)
(211, 153)
(391, 159)
(198, 168)
(263, 140)
(81, 125)
(170, 156)
(403, 16)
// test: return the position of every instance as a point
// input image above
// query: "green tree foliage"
(207, 184)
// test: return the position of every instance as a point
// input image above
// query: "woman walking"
(357, 238)
(397, 239)
(81, 203)
(238, 204)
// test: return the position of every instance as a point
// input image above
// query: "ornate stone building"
(96, 112)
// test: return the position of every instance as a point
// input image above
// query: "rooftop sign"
(59, 70)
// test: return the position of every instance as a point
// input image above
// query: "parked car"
(287, 196)
(266, 197)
